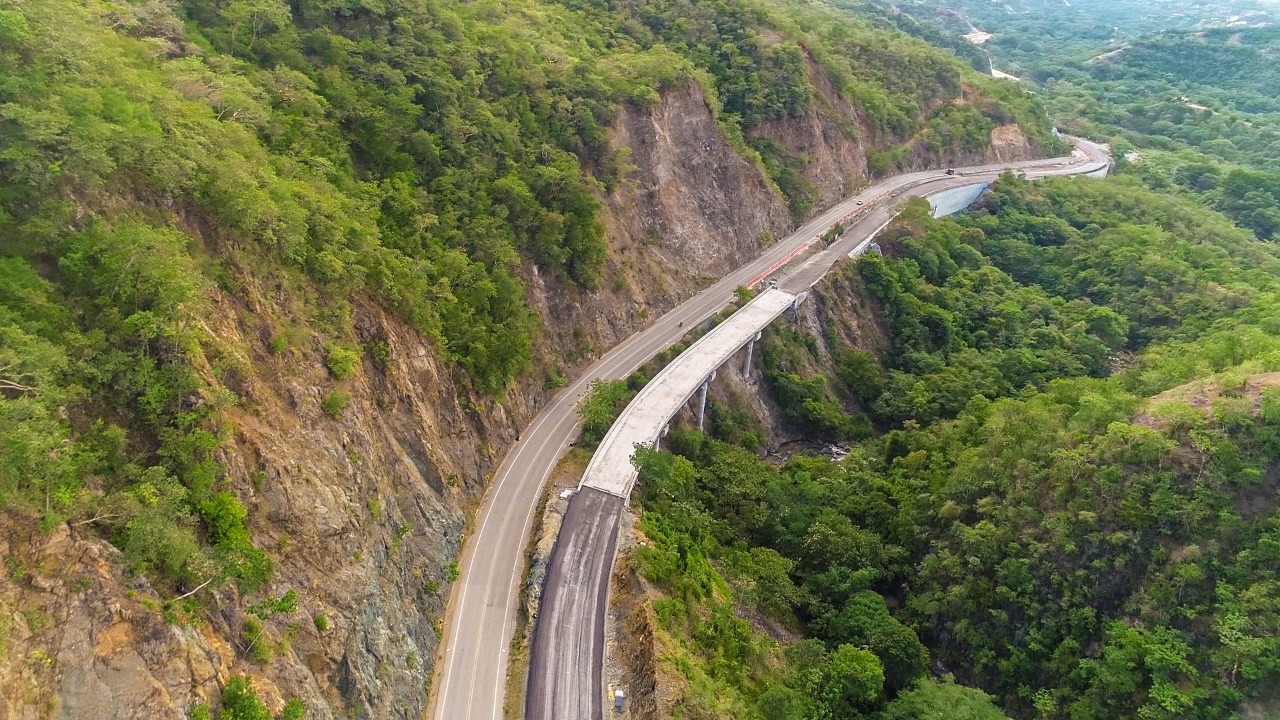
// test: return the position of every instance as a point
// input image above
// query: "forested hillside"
(1214, 92)
(1059, 498)
(1192, 114)
(1028, 35)
(1186, 91)
(1069, 500)
(279, 281)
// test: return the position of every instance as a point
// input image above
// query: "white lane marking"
(499, 684)
(477, 540)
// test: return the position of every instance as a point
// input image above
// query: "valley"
(302, 303)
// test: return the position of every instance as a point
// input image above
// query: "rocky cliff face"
(1008, 143)
(81, 640)
(690, 210)
(832, 139)
(363, 515)
(701, 206)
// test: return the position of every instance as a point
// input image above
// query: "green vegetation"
(930, 699)
(224, 518)
(342, 361)
(286, 604)
(603, 403)
(1191, 90)
(785, 170)
(805, 398)
(1200, 112)
(255, 640)
(1072, 505)
(165, 164)
(335, 402)
(293, 710)
(254, 643)
(1031, 36)
(240, 702)
(757, 60)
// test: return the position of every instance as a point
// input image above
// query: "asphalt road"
(471, 675)
(579, 569)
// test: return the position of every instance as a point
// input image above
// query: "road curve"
(470, 676)
(582, 559)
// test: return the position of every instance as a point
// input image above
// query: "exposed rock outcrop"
(831, 138)
(701, 206)
(80, 639)
(1009, 143)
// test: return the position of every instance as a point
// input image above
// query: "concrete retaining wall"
(950, 202)
(1100, 172)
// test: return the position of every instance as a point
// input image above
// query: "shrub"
(380, 352)
(293, 710)
(286, 604)
(224, 518)
(342, 361)
(240, 702)
(334, 403)
(602, 405)
(255, 643)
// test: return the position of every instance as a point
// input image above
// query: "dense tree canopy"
(1072, 505)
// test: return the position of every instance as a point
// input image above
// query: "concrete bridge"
(566, 674)
(646, 417)
(571, 622)
(565, 680)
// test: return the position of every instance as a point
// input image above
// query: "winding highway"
(470, 676)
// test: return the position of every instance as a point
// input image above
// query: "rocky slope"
(832, 140)
(363, 515)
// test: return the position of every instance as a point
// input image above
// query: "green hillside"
(308, 156)
(1190, 86)
(1028, 35)
(1070, 502)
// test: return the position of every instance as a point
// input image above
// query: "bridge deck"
(647, 415)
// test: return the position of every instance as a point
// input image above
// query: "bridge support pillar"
(702, 400)
(657, 444)
(751, 346)
(793, 310)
